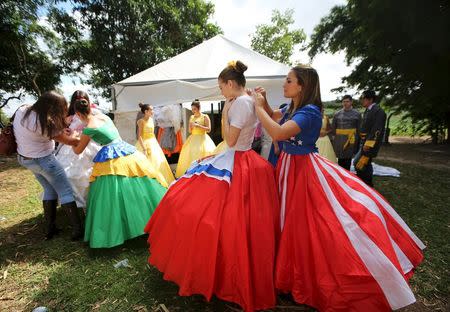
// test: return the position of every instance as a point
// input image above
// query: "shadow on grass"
(69, 276)
(73, 277)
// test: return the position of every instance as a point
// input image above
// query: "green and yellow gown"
(124, 190)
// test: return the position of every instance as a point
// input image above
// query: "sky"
(238, 20)
(307, 14)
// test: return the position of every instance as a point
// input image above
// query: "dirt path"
(414, 151)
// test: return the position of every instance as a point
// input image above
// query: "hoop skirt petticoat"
(78, 169)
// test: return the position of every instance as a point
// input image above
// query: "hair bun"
(240, 67)
(141, 105)
(83, 102)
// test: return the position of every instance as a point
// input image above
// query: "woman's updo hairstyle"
(234, 71)
(144, 107)
(80, 103)
(77, 96)
(196, 103)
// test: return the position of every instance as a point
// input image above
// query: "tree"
(116, 39)
(275, 40)
(24, 65)
(400, 49)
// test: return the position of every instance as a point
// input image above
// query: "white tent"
(193, 75)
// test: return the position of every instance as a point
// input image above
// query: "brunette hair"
(81, 103)
(309, 80)
(234, 71)
(51, 110)
(196, 103)
(369, 94)
(144, 107)
(77, 95)
(347, 97)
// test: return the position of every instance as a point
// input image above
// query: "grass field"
(68, 276)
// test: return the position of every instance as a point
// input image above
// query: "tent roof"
(205, 61)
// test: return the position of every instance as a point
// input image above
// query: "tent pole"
(113, 98)
(212, 116)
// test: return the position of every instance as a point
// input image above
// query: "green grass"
(68, 276)
(421, 197)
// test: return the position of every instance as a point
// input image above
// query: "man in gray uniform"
(345, 128)
(371, 134)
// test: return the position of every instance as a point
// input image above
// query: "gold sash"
(350, 133)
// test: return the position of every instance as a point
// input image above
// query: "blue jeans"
(51, 176)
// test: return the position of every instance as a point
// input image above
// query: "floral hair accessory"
(232, 64)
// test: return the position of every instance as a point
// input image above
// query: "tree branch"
(10, 98)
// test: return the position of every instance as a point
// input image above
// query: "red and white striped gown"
(342, 247)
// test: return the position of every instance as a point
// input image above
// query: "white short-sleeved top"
(242, 116)
(30, 142)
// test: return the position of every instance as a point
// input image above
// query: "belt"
(26, 158)
(350, 133)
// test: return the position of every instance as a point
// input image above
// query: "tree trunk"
(447, 127)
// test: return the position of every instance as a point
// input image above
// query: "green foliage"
(401, 49)
(276, 40)
(3, 118)
(117, 39)
(24, 65)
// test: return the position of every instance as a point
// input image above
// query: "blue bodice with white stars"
(309, 120)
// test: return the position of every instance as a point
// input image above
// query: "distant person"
(36, 129)
(139, 115)
(198, 144)
(323, 143)
(345, 128)
(371, 134)
(148, 144)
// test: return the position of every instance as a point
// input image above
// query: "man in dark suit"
(371, 134)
